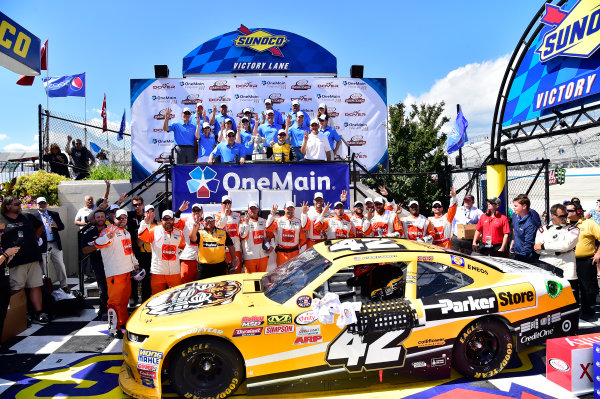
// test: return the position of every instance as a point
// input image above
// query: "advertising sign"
(259, 50)
(208, 183)
(19, 48)
(560, 69)
(357, 108)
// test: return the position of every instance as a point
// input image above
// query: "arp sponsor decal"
(275, 320)
(309, 339)
(431, 342)
(305, 318)
(355, 98)
(460, 304)
(457, 261)
(260, 41)
(373, 351)
(193, 296)
(516, 296)
(301, 85)
(477, 269)
(283, 329)
(198, 330)
(304, 301)
(304, 331)
(219, 85)
(247, 332)
(253, 321)
(559, 365)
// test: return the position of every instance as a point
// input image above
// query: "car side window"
(435, 278)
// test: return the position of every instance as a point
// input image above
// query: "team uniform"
(589, 232)
(558, 248)
(418, 228)
(359, 224)
(336, 227)
(384, 225)
(211, 252)
(189, 255)
(313, 235)
(165, 270)
(289, 235)
(252, 236)
(119, 261)
(231, 224)
(442, 225)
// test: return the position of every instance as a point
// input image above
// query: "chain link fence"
(57, 127)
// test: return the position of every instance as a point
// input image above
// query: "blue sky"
(428, 51)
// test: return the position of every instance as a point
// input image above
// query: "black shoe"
(40, 318)
(117, 334)
(5, 351)
(589, 319)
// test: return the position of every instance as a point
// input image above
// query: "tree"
(416, 149)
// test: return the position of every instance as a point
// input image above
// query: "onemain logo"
(574, 33)
(197, 85)
(204, 182)
(162, 141)
(165, 99)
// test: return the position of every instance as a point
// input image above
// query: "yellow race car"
(388, 310)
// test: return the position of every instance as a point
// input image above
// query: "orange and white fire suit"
(119, 261)
(308, 220)
(189, 255)
(418, 228)
(443, 226)
(386, 224)
(359, 224)
(231, 224)
(289, 235)
(252, 236)
(335, 227)
(165, 270)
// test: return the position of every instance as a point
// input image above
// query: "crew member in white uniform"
(230, 222)
(255, 243)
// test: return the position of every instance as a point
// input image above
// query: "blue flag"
(65, 86)
(458, 136)
(121, 128)
(95, 147)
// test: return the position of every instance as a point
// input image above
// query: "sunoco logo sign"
(260, 41)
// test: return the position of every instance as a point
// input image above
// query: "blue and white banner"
(65, 86)
(208, 183)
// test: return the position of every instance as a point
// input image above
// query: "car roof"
(369, 245)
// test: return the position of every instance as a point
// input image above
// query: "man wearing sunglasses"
(213, 242)
(556, 244)
(189, 255)
(587, 260)
(442, 223)
(315, 145)
(230, 222)
(142, 250)
(229, 151)
(493, 229)
(184, 133)
(336, 225)
(82, 158)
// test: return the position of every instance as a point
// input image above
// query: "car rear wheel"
(482, 349)
(205, 367)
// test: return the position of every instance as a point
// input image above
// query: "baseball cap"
(197, 205)
(225, 198)
(357, 203)
(299, 114)
(209, 215)
(205, 125)
(314, 121)
(322, 105)
(40, 199)
(113, 207)
(413, 202)
(252, 204)
(295, 102)
(223, 105)
(121, 212)
(436, 203)
(318, 194)
(379, 199)
(245, 118)
(323, 117)
(289, 203)
(148, 207)
(246, 110)
(229, 121)
(198, 103)
(230, 132)
(167, 212)
(280, 131)
(270, 111)
(338, 203)
(469, 197)
(268, 101)
(494, 200)
(186, 109)
(368, 199)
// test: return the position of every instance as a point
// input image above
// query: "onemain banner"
(208, 183)
(358, 108)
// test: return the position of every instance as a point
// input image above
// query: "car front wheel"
(482, 349)
(205, 367)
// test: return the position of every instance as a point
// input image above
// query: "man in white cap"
(255, 243)
(295, 130)
(119, 261)
(315, 146)
(288, 231)
(230, 222)
(251, 120)
(212, 244)
(369, 204)
(269, 130)
(166, 242)
(382, 222)
(309, 218)
(189, 255)
(337, 225)
(331, 134)
(206, 141)
(295, 113)
(221, 118)
(183, 134)
(51, 245)
(229, 151)
(277, 115)
(245, 135)
(442, 223)
(281, 149)
(416, 226)
(358, 218)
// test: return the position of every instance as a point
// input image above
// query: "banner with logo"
(208, 183)
(358, 108)
(65, 86)
(561, 67)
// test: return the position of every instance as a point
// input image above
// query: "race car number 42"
(363, 245)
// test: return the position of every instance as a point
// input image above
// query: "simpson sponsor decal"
(247, 332)
(305, 318)
(515, 296)
(283, 329)
(253, 321)
(460, 304)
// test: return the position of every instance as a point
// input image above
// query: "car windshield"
(284, 282)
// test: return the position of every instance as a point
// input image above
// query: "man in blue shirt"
(229, 151)
(183, 134)
(525, 223)
(331, 134)
(206, 142)
(221, 118)
(295, 111)
(248, 114)
(296, 133)
(244, 136)
(278, 118)
(269, 130)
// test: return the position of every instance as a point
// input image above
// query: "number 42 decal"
(364, 244)
(372, 352)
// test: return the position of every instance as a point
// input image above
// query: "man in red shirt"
(493, 229)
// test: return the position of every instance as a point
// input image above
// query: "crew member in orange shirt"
(255, 243)
(337, 225)
(442, 223)
(381, 222)
(230, 222)
(288, 231)
(416, 226)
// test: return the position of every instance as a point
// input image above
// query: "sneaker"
(117, 334)
(6, 351)
(66, 289)
(40, 318)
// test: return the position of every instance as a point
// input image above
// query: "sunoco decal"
(193, 296)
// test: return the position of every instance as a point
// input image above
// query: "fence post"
(40, 137)
(547, 188)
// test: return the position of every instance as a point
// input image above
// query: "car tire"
(205, 367)
(482, 349)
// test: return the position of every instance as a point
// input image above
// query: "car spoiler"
(507, 265)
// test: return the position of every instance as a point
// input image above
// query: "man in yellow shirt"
(212, 243)
(281, 149)
(587, 260)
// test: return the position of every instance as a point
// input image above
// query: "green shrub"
(109, 172)
(39, 184)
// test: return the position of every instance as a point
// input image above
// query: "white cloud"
(3, 137)
(17, 147)
(473, 86)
